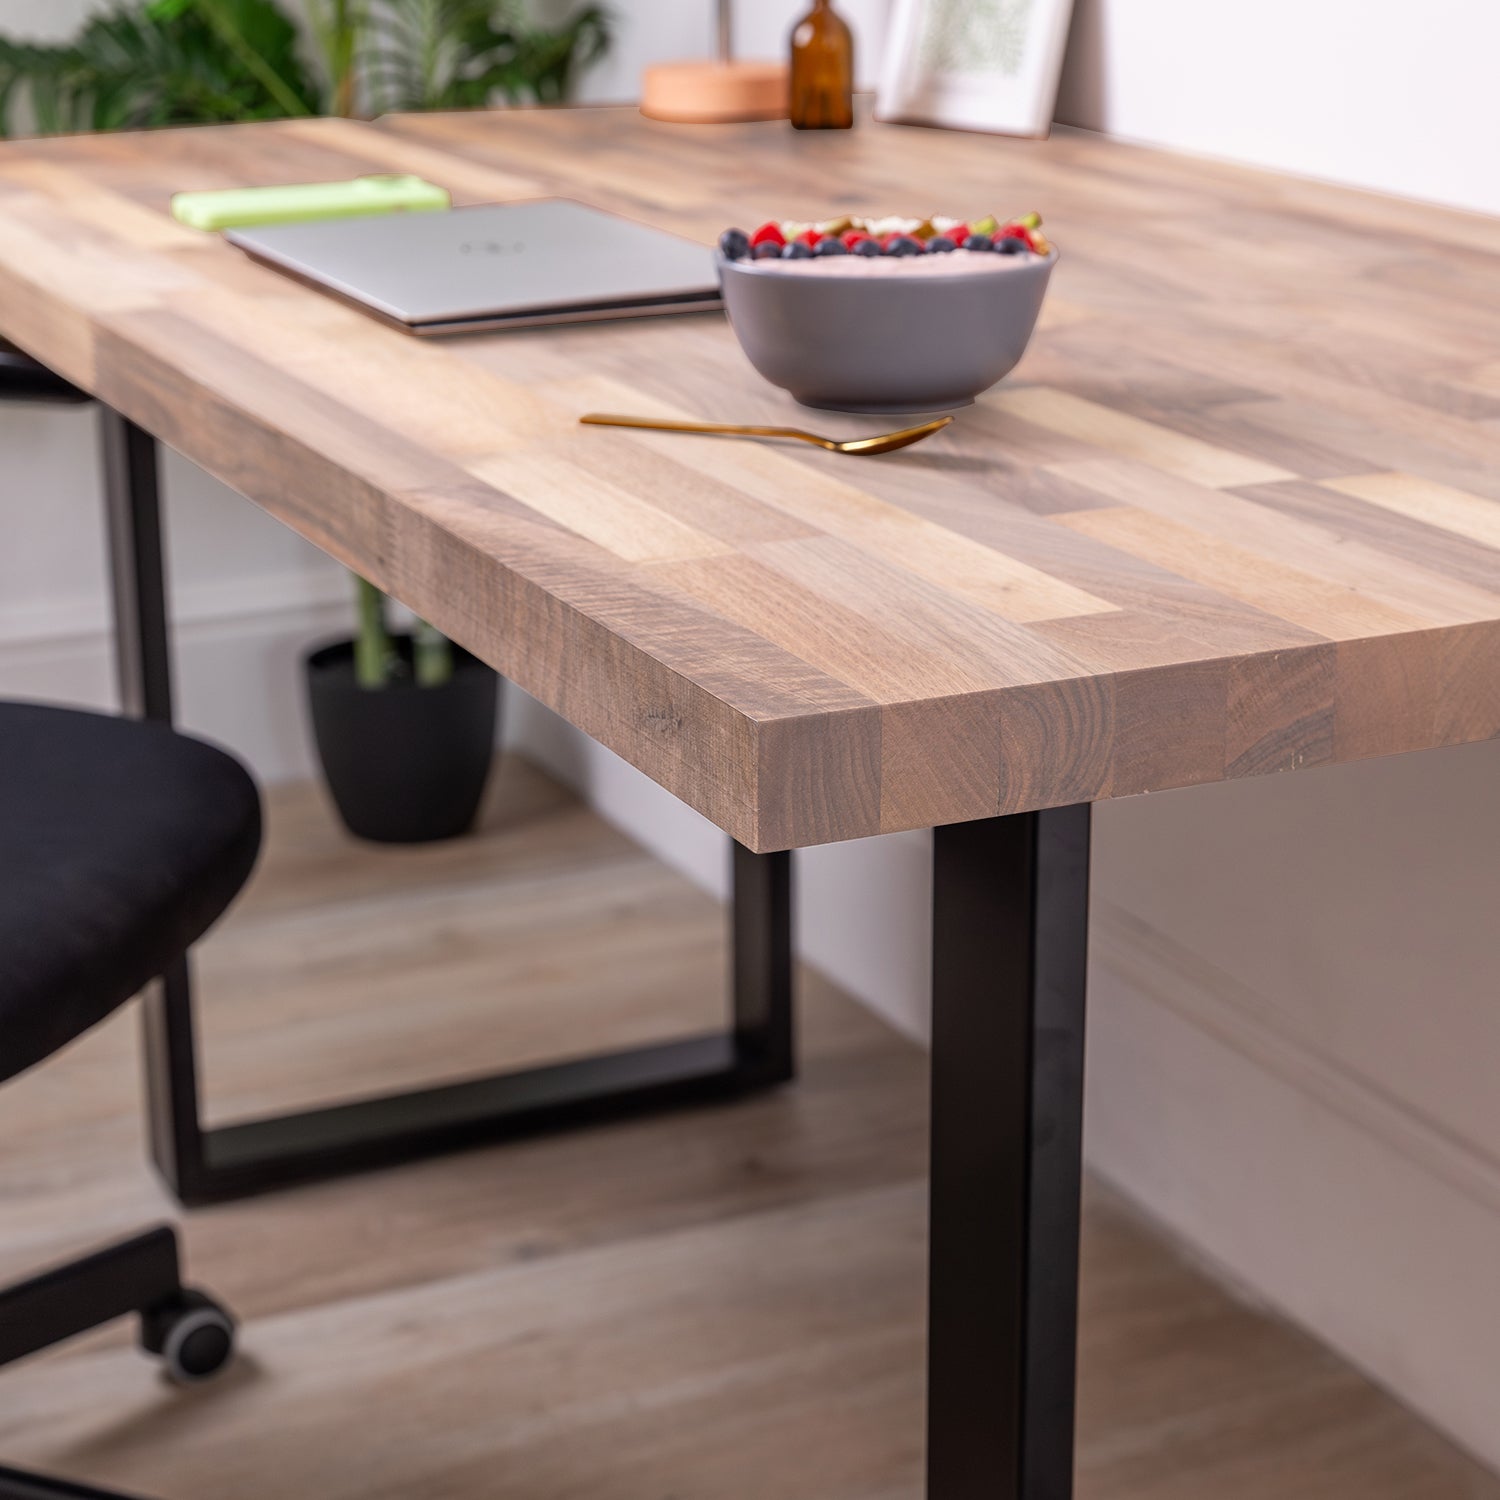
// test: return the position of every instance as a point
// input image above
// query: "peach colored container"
(712, 93)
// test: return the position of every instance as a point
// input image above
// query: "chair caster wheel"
(192, 1334)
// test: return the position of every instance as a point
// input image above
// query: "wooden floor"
(723, 1304)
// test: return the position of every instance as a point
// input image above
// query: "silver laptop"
(507, 265)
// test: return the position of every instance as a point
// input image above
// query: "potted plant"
(405, 726)
(405, 722)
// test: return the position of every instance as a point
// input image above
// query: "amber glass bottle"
(822, 70)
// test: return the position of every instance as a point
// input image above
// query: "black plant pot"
(405, 764)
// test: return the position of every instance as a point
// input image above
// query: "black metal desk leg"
(753, 1051)
(143, 674)
(761, 966)
(1010, 931)
(132, 511)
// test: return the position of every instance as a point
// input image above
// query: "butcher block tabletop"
(1236, 512)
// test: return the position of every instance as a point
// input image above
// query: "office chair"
(121, 842)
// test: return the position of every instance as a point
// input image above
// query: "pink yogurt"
(951, 263)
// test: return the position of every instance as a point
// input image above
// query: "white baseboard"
(256, 603)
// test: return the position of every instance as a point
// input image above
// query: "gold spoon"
(863, 447)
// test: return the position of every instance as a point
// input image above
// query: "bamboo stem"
(373, 652)
(432, 654)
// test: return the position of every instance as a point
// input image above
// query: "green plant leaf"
(339, 28)
(161, 64)
(447, 54)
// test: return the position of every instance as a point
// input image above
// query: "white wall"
(1384, 94)
(1295, 1031)
(1295, 1028)
(44, 20)
(1294, 1051)
(246, 591)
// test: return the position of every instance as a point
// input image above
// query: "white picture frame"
(988, 65)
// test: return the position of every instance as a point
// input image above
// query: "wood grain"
(1237, 512)
(726, 1305)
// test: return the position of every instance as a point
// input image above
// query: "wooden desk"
(1238, 512)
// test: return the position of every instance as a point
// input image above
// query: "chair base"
(186, 1329)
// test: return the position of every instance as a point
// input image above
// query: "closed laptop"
(506, 265)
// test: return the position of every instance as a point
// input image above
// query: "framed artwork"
(974, 64)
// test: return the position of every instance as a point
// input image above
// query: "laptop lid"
(496, 265)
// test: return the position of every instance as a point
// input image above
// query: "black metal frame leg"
(1010, 934)
(208, 1165)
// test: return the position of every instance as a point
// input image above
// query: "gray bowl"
(891, 343)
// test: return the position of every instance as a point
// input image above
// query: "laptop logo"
(492, 247)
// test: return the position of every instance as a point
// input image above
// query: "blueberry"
(797, 250)
(979, 242)
(1012, 245)
(766, 250)
(903, 244)
(830, 244)
(734, 244)
(867, 247)
(940, 244)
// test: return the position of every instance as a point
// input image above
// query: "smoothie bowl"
(861, 316)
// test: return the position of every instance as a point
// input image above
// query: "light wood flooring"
(724, 1305)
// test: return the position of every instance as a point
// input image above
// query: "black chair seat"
(120, 844)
